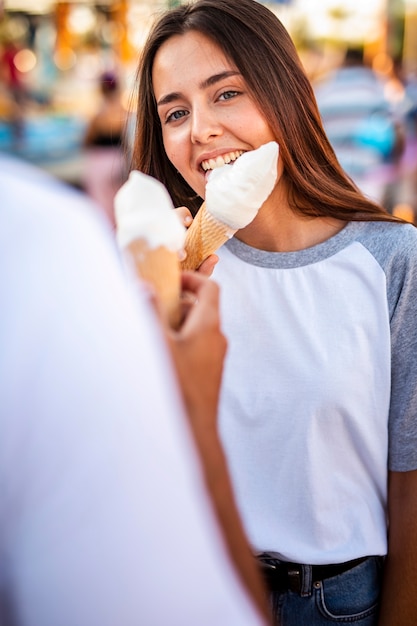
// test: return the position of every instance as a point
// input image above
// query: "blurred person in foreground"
(318, 408)
(363, 126)
(103, 146)
(106, 517)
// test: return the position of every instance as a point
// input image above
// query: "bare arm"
(399, 597)
(198, 350)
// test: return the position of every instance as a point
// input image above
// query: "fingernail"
(188, 220)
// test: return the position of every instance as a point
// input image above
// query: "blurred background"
(67, 70)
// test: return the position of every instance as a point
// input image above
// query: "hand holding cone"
(205, 235)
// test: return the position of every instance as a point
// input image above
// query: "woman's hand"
(208, 264)
(198, 348)
(184, 215)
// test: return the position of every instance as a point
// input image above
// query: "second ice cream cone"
(161, 268)
(205, 235)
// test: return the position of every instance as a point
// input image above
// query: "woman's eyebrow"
(208, 82)
(212, 80)
(170, 97)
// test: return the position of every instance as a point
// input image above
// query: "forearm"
(399, 598)
(221, 491)
(198, 350)
(202, 412)
(398, 606)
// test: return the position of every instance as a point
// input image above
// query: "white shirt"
(319, 390)
(104, 519)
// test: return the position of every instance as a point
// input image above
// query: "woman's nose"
(204, 126)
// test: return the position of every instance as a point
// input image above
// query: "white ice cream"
(143, 210)
(235, 192)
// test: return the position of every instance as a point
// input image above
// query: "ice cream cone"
(151, 236)
(205, 235)
(161, 268)
(234, 194)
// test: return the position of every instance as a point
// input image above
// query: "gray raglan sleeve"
(401, 272)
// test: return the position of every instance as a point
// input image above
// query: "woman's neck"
(276, 228)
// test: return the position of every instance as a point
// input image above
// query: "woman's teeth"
(212, 164)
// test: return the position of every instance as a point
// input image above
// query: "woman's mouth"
(224, 159)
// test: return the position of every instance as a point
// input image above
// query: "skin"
(399, 599)
(206, 111)
(208, 107)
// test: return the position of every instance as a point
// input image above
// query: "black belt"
(284, 576)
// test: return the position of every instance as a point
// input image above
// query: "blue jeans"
(348, 598)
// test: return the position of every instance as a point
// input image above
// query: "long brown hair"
(257, 43)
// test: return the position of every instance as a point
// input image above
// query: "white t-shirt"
(104, 518)
(319, 394)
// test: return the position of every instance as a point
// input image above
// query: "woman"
(319, 402)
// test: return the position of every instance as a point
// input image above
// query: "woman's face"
(206, 113)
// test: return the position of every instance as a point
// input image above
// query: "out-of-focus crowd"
(372, 124)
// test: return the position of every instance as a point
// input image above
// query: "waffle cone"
(161, 268)
(205, 235)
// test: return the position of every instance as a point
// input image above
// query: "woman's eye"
(176, 115)
(227, 95)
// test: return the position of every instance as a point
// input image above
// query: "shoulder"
(57, 255)
(389, 241)
(394, 247)
(40, 212)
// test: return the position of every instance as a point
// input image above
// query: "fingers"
(184, 215)
(199, 347)
(207, 266)
(188, 300)
(202, 301)
(196, 282)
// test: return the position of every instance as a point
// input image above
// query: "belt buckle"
(272, 574)
(295, 579)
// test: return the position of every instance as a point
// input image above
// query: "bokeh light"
(25, 60)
